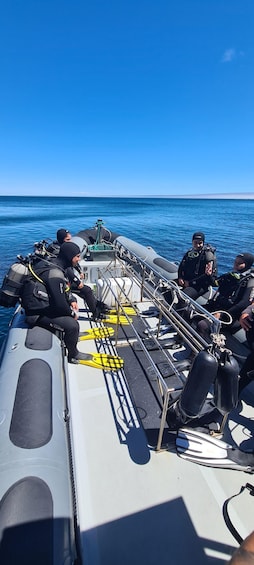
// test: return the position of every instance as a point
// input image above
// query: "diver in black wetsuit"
(53, 248)
(97, 307)
(75, 276)
(247, 371)
(197, 267)
(235, 291)
(62, 307)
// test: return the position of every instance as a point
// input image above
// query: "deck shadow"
(162, 534)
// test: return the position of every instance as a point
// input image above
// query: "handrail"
(153, 285)
(161, 284)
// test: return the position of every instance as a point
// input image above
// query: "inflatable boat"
(95, 464)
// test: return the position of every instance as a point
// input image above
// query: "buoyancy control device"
(34, 296)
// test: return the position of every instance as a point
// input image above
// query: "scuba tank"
(226, 383)
(12, 285)
(202, 375)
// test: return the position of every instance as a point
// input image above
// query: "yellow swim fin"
(114, 319)
(99, 361)
(96, 333)
(124, 309)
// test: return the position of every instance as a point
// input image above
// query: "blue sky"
(127, 98)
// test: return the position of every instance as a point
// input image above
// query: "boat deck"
(137, 505)
(101, 438)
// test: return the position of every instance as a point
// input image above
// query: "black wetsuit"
(192, 269)
(59, 312)
(234, 295)
(72, 275)
(84, 292)
(247, 370)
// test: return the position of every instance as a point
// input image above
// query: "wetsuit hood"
(61, 234)
(68, 250)
(248, 259)
(199, 235)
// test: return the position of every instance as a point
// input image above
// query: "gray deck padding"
(26, 524)
(31, 423)
(38, 339)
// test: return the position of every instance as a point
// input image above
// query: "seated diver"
(61, 309)
(53, 248)
(74, 275)
(197, 266)
(247, 323)
(196, 272)
(233, 295)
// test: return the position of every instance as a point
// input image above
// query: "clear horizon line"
(222, 195)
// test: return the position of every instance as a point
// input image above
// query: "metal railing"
(155, 287)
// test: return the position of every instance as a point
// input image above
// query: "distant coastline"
(233, 196)
(219, 196)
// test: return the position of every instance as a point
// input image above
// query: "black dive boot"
(105, 309)
(101, 310)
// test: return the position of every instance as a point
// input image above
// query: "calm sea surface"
(166, 224)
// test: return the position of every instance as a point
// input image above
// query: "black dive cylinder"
(202, 375)
(12, 285)
(226, 383)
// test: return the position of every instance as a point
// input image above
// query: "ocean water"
(164, 223)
